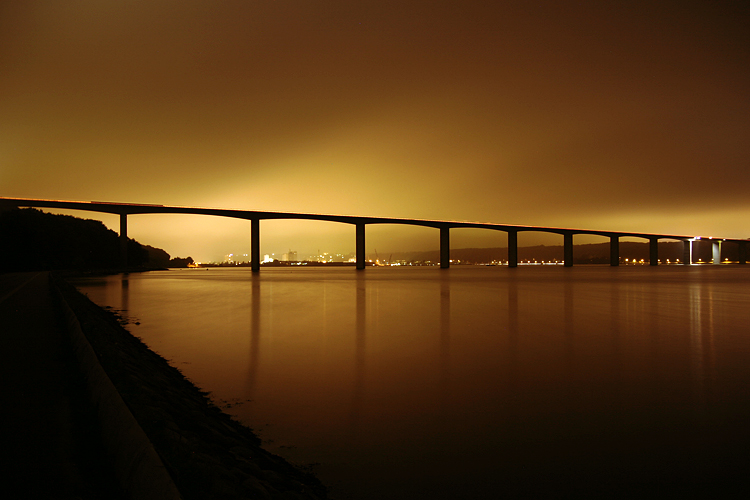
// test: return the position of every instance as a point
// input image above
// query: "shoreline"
(206, 452)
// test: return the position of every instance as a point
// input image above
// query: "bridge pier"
(124, 240)
(255, 245)
(568, 249)
(125, 209)
(687, 252)
(742, 252)
(653, 251)
(716, 251)
(614, 250)
(445, 247)
(512, 248)
(360, 245)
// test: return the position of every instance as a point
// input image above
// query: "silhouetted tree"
(178, 262)
(157, 257)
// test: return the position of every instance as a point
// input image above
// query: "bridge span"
(360, 222)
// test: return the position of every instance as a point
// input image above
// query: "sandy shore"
(207, 454)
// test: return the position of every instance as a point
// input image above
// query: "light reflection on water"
(469, 382)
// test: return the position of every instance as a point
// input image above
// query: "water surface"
(472, 382)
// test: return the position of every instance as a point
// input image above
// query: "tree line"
(32, 240)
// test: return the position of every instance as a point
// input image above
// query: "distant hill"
(32, 240)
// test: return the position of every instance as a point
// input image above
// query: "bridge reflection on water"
(408, 383)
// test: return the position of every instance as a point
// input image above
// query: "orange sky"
(602, 115)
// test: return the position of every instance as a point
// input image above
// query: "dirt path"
(50, 446)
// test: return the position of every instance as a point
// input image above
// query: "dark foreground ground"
(54, 444)
(49, 441)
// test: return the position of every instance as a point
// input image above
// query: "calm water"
(472, 382)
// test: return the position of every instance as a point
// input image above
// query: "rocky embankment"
(207, 454)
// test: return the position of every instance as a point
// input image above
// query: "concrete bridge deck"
(360, 222)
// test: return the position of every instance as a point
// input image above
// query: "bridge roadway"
(125, 209)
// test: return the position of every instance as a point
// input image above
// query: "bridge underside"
(125, 209)
(445, 247)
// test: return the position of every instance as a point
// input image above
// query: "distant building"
(290, 256)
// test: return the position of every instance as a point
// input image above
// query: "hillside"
(32, 240)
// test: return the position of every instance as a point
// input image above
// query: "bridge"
(360, 222)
